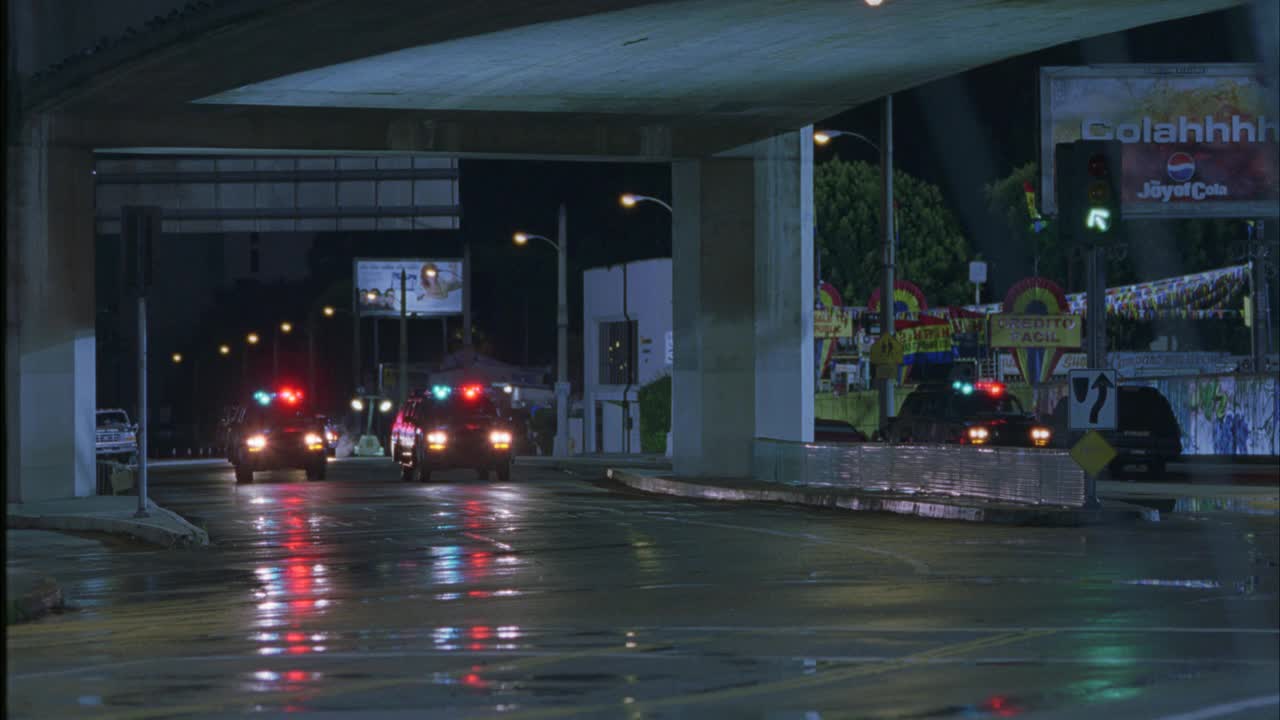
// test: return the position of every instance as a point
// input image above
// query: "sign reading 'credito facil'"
(1035, 331)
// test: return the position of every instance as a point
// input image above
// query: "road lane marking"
(919, 567)
(801, 682)
(1225, 709)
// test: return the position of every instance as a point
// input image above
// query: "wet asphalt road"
(556, 596)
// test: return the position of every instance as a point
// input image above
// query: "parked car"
(116, 438)
(829, 431)
(452, 427)
(965, 413)
(1147, 432)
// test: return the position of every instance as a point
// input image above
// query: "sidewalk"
(938, 508)
(102, 513)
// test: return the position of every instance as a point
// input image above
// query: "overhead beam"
(342, 130)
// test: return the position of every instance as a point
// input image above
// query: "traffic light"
(1089, 174)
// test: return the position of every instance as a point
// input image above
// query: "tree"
(1006, 199)
(932, 251)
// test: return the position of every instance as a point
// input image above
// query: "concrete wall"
(648, 290)
(49, 324)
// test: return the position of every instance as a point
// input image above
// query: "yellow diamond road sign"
(887, 350)
(1093, 452)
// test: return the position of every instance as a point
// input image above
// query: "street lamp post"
(250, 340)
(630, 200)
(561, 243)
(283, 328)
(887, 305)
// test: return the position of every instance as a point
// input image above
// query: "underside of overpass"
(723, 89)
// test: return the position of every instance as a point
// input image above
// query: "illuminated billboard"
(1196, 140)
(433, 287)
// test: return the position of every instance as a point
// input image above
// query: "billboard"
(433, 287)
(1196, 140)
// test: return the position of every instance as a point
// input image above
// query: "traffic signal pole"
(887, 302)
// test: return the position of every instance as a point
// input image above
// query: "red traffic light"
(1098, 166)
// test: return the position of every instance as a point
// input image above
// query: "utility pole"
(466, 295)
(561, 446)
(404, 340)
(887, 405)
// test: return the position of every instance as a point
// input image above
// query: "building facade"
(626, 344)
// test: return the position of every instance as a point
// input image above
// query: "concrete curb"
(935, 508)
(583, 464)
(1260, 506)
(164, 528)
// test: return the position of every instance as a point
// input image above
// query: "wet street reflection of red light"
(480, 632)
(1001, 706)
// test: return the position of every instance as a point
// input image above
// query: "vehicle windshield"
(456, 407)
(108, 419)
(983, 404)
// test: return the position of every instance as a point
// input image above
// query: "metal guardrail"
(1013, 475)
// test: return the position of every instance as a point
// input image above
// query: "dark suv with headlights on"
(447, 428)
(278, 432)
(965, 413)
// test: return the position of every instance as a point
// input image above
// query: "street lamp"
(824, 137)
(252, 338)
(562, 327)
(630, 200)
(887, 406)
(177, 358)
(329, 311)
(224, 349)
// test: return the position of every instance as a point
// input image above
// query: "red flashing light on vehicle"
(471, 392)
(991, 387)
(290, 396)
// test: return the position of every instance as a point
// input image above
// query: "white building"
(625, 345)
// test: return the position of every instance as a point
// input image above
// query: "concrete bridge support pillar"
(50, 392)
(742, 274)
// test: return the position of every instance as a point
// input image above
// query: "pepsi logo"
(1181, 167)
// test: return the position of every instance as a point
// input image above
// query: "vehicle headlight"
(256, 442)
(313, 439)
(437, 439)
(979, 435)
(331, 436)
(1040, 436)
(500, 437)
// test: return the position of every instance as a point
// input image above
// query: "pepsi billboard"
(1196, 139)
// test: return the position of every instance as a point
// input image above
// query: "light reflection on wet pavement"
(550, 596)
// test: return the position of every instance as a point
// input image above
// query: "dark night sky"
(959, 132)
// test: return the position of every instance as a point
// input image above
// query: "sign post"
(977, 276)
(1092, 396)
(139, 227)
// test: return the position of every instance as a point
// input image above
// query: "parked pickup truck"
(117, 438)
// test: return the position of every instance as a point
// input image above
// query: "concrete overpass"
(724, 90)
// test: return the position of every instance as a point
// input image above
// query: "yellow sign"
(888, 350)
(926, 339)
(1035, 331)
(832, 323)
(1093, 453)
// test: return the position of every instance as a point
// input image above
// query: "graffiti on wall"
(1225, 414)
(1218, 414)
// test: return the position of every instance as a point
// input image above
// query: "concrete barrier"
(1012, 475)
